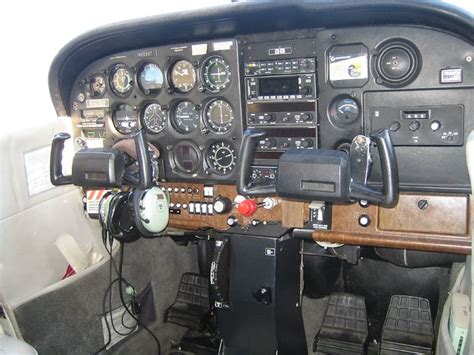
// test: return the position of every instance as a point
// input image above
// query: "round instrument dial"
(125, 118)
(154, 118)
(186, 157)
(219, 116)
(150, 79)
(216, 73)
(121, 80)
(185, 117)
(344, 110)
(221, 157)
(97, 86)
(183, 76)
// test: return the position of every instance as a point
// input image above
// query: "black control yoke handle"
(247, 149)
(55, 164)
(143, 158)
(389, 194)
(55, 168)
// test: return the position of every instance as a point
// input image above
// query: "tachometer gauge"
(219, 116)
(185, 117)
(216, 73)
(121, 81)
(222, 158)
(154, 118)
(150, 79)
(125, 118)
(97, 86)
(183, 76)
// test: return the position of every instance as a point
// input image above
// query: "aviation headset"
(129, 215)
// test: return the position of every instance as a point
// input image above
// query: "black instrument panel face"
(310, 89)
(186, 97)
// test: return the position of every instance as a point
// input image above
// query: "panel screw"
(422, 204)
(468, 59)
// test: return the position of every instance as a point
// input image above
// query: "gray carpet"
(67, 321)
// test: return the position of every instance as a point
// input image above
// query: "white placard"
(222, 46)
(37, 170)
(199, 49)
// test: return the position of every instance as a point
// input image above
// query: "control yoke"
(98, 167)
(325, 175)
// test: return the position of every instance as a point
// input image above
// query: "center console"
(280, 99)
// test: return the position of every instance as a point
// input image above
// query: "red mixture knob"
(247, 207)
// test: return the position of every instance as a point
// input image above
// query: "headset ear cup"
(118, 206)
(136, 206)
(103, 209)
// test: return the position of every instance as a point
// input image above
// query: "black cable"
(112, 262)
(106, 238)
(125, 305)
(104, 300)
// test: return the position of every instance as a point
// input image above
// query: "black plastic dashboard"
(306, 78)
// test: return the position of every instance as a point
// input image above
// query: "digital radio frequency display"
(279, 86)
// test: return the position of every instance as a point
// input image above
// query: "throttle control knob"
(222, 205)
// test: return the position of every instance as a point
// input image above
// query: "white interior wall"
(29, 225)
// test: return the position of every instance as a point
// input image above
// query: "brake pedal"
(408, 328)
(344, 330)
(192, 302)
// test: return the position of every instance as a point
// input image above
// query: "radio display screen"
(278, 86)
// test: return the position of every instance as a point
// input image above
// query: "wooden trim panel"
(440, 223)
(443, 225)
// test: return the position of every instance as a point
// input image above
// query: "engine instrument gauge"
(221, 157)
(97, 86)
(185, 117)
(154, 118)
(183, 76)
(125, 118)
(216, 73)
(344, 110)
(219, 116)
(150, 78)
(121, 81)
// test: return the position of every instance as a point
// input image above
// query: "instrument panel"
(306, 90)
(186, 97)
(197, 89)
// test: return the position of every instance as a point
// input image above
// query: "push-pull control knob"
(232, 221)
(222, 205)
(247, 207)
